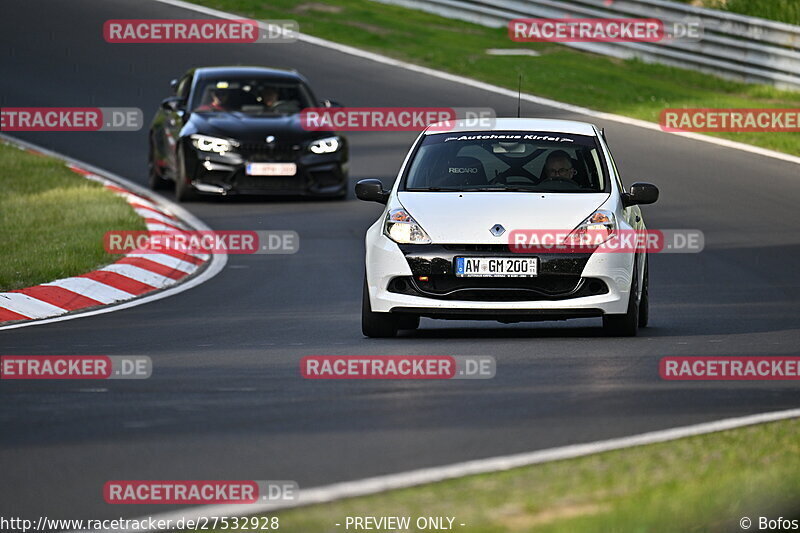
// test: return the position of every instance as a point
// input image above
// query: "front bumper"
(317, 174)
(569, 285)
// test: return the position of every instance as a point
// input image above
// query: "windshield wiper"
(472, 189)
(511, 189)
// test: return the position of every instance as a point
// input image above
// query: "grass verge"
(52, 220)
(701, 484)
(632, 88)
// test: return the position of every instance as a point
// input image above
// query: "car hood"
(466, 218)
(252, 128)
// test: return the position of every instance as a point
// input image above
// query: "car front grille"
(269, 152)
(476, 247)
(446, 287)
(270, 183)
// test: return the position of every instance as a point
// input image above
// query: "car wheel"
(338, 196)
(154, 178)
(626, 325)
(644, 303)
(378, 325)
(409, 322)
(183, 190)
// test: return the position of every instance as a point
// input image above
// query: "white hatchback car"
(441, 247)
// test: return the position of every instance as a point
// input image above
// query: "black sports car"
(230, 130)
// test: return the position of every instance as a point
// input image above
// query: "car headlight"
(403, 229)
(328, 145)
(206, 143)
(596, 229)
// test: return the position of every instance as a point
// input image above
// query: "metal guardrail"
(734, 46)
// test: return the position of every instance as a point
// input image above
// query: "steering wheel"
(558, 183)
(517, 172)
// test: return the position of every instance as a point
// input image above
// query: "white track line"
(413, 478)
(214, 266)
(494, 88)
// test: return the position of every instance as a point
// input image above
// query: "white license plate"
(496, 267)
(271, 169)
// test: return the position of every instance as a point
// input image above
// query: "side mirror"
(173, 84)
(641, 194)
(173, 103)
(371, 190)
(330, 103)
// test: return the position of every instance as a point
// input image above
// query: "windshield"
(507, 161)
(252, 96)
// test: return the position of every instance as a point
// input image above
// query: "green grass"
(631, 88)
(781, 10)
(52, 220)
(702, 484)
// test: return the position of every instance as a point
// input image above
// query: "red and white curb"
(139, 274)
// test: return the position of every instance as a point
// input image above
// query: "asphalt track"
(226, 400)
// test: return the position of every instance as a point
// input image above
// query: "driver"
(269, 97)
(218, 101)
(558, 166)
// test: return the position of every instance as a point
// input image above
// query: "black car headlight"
(207, 143)
(328, 145)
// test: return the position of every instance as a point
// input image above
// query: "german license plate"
(496, 267)
(271, 169)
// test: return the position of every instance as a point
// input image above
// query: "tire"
(183, 190)
(644, 303)
(154, 179)
(338, 196)
(626, 325)
(376, 325)
(409, 322)
(334, 197)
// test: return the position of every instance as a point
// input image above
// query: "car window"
(498, 161)
(251, 96)
(616, 171)
(183, 87)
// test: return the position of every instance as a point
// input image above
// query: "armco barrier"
(734, 46)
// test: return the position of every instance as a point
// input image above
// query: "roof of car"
(519, 124)
(278, 74)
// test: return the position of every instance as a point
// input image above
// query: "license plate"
(271, 169)
(496, 267)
